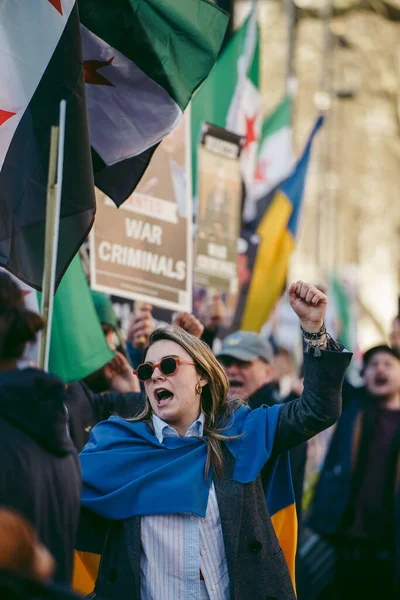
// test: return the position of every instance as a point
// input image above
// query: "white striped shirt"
(176, 547)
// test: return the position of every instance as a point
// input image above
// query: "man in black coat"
(357, 502)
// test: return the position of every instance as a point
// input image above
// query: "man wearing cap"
(357, 504)
(247, 358)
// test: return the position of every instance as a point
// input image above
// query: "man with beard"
(356, 504)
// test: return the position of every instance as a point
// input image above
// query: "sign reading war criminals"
(142, 250)
(218, 219)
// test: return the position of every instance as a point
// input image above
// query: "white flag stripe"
(29, 34)
(245, 103)
(277, 155)
(243, 66)
(131, 117)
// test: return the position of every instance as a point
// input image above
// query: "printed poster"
(143, 250)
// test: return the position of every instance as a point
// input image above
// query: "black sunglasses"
(168, 366)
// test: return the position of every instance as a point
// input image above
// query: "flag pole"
(53, 206)
(290, 76)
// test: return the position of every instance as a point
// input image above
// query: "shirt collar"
(162, 429)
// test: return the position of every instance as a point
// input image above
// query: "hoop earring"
(198, 388)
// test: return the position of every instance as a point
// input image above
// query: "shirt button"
(192, 517)
(213, 588)
(203, 552)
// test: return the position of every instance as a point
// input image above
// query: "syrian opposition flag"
(41, 63)
(275, 159)
(244, 116)
(230, 97)
(142, 60)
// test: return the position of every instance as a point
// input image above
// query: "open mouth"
(381, 381)
(235, 384)
(163, 396)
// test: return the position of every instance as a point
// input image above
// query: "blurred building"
(346, 60)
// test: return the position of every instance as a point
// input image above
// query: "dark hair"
(17, 324)
(369, 354)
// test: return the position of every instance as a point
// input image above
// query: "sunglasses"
(168, 366)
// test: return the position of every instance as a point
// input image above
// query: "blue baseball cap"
(246, 346)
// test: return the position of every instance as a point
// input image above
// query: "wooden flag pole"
(53, 206)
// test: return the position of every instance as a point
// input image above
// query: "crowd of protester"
(44, 424)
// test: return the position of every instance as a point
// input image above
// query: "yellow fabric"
(285, 526)
(270, 268)
(86, 567)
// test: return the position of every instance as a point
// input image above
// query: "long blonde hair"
(216, 406)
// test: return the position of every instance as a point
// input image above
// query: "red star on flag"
(5, 115)
(250, 131)
(92, 76)
(26, 292)
(57, 5)
(261, 170)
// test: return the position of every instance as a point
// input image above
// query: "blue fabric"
(333, 489)
(127, 472)
(293, 187)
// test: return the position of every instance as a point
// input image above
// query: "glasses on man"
(168, 366)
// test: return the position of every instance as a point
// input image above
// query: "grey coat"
(256, 564)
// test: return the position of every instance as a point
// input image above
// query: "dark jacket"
(334, 501)
(332, 494)
(268, 394)
(40, 473)
(256, 564)
(13, 587)
(86, 409)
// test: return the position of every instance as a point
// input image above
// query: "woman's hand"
(309, 304)
(120, 376)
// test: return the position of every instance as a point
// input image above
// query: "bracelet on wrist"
(317, 335)
(316, 346)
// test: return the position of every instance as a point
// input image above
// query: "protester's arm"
(140, 328)
(209, 336)
(320, 404)
(212, 318)
(135, 355)
(125, 405)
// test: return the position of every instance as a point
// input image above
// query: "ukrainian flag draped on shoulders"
(127, 472)
(276, 225)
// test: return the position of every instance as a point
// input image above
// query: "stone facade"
(351, 217)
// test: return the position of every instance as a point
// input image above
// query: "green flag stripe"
(175, 42)
(211, 104)
(281, 117)
(78, 346)
(254, 71)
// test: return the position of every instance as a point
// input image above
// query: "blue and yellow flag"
(281, 505)
(277, 229)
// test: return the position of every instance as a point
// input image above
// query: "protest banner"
(219, 210)
(143, 250)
